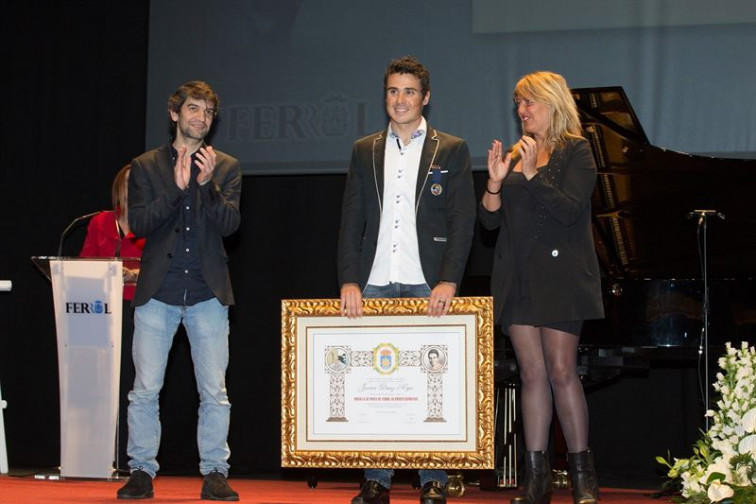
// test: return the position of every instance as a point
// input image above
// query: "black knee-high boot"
(538, 480)
(585, 489)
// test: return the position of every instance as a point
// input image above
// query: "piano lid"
(644, 195)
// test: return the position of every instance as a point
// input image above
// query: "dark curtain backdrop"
(73, 114)
(74, 92)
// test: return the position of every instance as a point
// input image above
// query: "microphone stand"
(70, 226)
(703, 216)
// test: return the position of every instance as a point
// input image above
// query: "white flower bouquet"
(723, 466)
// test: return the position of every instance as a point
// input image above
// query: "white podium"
(3, 446)
(87, 295)
(5, 285)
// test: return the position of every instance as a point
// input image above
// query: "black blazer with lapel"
(445, 221)
(154, 213)
(563, 271)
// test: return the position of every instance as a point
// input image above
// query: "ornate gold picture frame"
(392, 389)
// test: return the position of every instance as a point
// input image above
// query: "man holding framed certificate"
(407, 224)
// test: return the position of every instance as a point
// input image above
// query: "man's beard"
(188, 132)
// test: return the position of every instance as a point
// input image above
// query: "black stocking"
(547, 359)
(535, 391)
(560, 351)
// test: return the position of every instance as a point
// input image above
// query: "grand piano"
(649, 234)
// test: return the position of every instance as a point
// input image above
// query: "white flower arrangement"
(723, 466)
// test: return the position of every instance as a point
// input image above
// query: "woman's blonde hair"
(551, 90)
(120, 190)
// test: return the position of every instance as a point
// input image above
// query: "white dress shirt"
(397, 257)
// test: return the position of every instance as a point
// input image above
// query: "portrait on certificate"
(393, 387)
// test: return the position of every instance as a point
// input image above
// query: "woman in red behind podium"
(109, 235)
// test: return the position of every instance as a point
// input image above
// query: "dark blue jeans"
(395, 290)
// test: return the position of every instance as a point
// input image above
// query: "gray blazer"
(445, 219)
(154, 214)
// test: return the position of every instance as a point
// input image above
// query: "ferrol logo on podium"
(96, 308)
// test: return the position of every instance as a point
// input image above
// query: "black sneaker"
(216, 488)
(139, 486)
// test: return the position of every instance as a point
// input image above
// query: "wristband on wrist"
(491, 192)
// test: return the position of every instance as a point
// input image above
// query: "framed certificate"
(392, 389)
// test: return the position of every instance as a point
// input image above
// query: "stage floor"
(27, 489)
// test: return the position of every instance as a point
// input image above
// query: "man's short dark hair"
(408, 65)
(433, 351)
(199, 90)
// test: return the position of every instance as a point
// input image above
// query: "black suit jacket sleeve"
(460, 215)
(150, 205)
(220, 200)
(353, 219)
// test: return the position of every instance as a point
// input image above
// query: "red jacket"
(103, 238)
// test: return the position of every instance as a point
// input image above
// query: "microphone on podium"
(70, 226)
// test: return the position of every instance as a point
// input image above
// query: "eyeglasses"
(527, 103)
